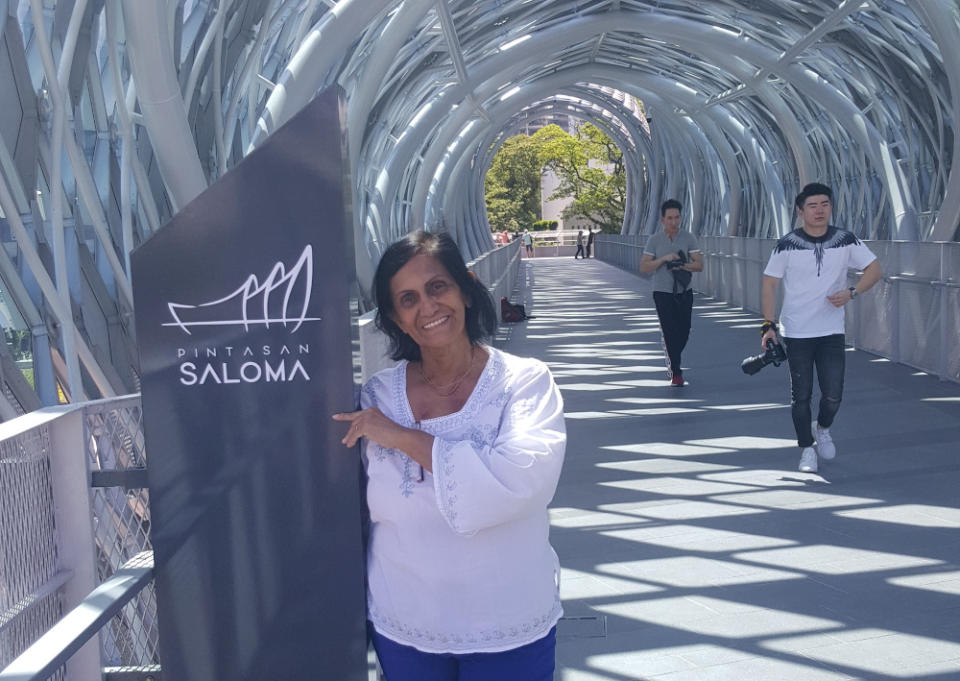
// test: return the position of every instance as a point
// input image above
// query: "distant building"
(553, 210)
(560, 119)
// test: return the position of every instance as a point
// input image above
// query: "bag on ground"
(511, 312)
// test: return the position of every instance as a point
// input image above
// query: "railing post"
(70, 477)
(895, 317)
(943, 362)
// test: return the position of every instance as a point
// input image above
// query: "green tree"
(513, 185)
(589, 166)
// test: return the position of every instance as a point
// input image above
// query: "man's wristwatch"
(853, 292)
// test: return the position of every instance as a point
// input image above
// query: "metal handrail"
(54, 648)
(889, 321)
(85, 463)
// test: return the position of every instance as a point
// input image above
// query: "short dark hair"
(812, 189)
(481, 316)
(668, 204)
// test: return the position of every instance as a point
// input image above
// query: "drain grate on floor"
(587, 626)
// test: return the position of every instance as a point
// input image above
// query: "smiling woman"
(422, 268)
(462, 454)
(428, 306)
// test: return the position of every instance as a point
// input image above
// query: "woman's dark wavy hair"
(481, 316)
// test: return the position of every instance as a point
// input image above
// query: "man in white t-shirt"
(590, 235)
(812, 262)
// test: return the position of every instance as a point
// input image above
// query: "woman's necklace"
(447, 391)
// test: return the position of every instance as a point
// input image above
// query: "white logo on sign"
(249, 311)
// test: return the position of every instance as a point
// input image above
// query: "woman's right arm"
(373, 424)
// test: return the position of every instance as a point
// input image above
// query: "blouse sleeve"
(479, 485)
(370, 397)
(368, 394)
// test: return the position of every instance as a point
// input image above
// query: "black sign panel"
(243, 323)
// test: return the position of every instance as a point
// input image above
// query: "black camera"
(774, 354)
(679, 262)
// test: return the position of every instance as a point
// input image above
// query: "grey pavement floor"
(692, 548)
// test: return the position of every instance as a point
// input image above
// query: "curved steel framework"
(116, 113)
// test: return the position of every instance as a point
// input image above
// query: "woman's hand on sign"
(372, 424)
(369, 423)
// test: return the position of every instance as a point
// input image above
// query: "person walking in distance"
(672, 255)
(579, 253)
(812, 261)
(590, 235)
(528, 242)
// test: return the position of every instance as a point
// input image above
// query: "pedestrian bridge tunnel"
(115, 115)
(728, 106)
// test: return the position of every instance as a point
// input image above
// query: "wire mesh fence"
(30, 602)
(113, 436)
(41, 559)
(498, 268)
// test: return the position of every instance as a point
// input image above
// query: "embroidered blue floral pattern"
(519, 634)
(445, 481)
(482, 436)
(407, 482)
(368, 394)
(501, 398)
(520, 410)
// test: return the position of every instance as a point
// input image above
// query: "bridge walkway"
(692, 548)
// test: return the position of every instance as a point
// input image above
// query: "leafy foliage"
(541, 225)
(513, 185)
(20, 342)
(588, 165)
(590, 168)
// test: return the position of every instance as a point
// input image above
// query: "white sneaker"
(808, 460)
(825, 447)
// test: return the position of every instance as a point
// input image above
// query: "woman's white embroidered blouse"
(461, 562)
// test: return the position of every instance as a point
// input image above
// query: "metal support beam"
(941, 21)
(828, 24)
(162, 105)
(453, 42)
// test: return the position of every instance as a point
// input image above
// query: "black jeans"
(827, 354)
(675, 313)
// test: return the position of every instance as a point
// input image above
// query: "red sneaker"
(677, 381)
